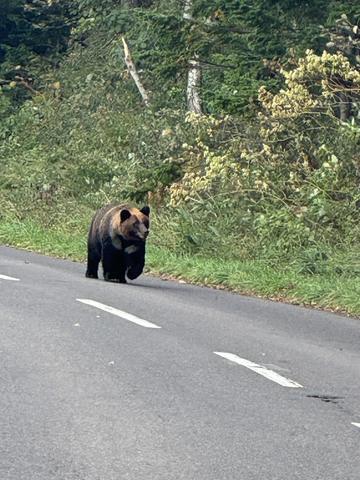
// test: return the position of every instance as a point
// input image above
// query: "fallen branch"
(21, 81)
(132, 70)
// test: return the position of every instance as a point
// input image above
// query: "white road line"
(355, 424)
(5, 277)
(261, 370)
(118, 313)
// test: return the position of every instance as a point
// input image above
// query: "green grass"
(339, 293)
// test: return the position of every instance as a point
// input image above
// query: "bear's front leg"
(113, 265)
(134, 256)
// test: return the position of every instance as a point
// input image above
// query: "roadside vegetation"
(258, 192)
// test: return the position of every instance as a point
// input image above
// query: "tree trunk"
(193, 98)
(187, 10)
(194, 82)
(344, 106)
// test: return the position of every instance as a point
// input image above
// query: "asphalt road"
(171, 382)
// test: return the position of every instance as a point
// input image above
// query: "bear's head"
(134, 223)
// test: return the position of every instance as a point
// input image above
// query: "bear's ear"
(124, 214)
(145, 210)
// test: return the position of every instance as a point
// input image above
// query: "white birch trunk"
(187, 10)
(193, 98)
(193, 86)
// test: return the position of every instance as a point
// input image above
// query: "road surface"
(158, 380)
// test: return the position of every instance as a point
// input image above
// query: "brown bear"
(117, 237)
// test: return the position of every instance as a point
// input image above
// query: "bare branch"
(132, 70)
(26, 84)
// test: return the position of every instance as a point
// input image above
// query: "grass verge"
(338, 293)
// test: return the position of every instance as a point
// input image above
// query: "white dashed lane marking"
(355, 424)
(118, 313)
(261, 370)
(12, 279)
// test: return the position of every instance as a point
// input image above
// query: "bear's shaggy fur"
(117, 238)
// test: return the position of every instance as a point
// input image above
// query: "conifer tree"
(33, 34)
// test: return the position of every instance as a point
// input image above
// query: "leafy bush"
(291, 179)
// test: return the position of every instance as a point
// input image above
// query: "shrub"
(291, 178)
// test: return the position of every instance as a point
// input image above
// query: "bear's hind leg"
(93, 261)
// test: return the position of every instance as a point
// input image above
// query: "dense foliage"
(234, 40)
(270, 170)
(33, 35)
